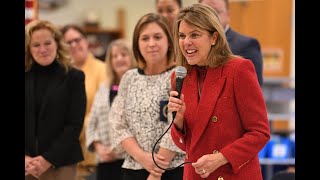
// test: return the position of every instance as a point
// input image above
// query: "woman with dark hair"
(169, 9)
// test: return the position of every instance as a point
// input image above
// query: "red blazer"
(231, 118)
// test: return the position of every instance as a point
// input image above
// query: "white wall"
(74, 11)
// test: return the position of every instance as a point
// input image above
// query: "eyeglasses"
(76, 40)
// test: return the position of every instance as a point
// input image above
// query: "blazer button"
(214, 119)
(215, 152)
(220, 178)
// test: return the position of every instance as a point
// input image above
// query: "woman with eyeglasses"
(55, 103)
(95, 73)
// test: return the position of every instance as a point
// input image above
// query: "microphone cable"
(154, 147)
(181, 72)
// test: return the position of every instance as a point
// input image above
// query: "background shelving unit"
(279, 94)
(99, 38)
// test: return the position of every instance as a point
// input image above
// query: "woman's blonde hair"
(63, 56)
(203, 17)
(125, 46)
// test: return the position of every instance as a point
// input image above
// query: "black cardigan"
(54, 113)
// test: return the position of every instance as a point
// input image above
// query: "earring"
(213, 44)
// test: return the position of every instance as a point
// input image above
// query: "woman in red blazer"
(221, 121)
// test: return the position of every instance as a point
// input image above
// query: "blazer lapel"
(212, 87)
(190, 89)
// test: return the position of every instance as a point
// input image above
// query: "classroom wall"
(75, 11)
(270, 21)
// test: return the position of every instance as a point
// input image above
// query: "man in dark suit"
(245, 46)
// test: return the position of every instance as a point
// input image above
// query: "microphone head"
(181, 72)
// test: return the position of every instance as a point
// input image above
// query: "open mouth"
(191, 51)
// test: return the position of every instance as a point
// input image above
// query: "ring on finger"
(203, 171)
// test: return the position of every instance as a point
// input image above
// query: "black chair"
(283, 175)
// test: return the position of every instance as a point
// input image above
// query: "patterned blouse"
(99, 124)
(136, 113)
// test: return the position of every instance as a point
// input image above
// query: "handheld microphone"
(181, 72)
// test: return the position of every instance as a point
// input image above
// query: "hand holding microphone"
(175, 103)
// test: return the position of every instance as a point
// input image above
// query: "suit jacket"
(248, 48)
(230, 118)
(55, 134)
